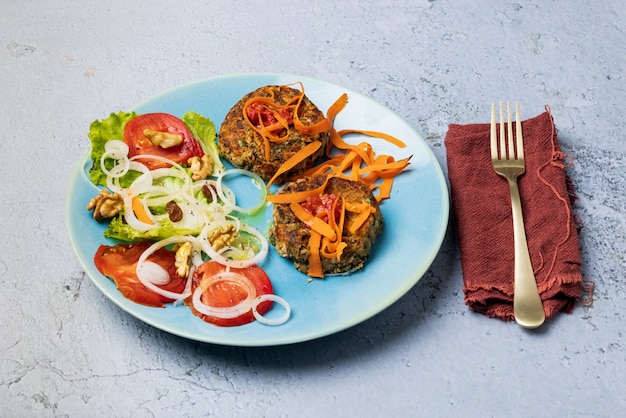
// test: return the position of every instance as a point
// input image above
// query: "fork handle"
(527, 306)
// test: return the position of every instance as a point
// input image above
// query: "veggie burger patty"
(291, 236)
(245, 148)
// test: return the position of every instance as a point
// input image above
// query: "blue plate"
(416, 217)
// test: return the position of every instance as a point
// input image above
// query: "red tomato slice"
(225, 294)
(119, 263)
(138, 143)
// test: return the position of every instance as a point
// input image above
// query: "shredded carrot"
(140, 211)
(363, 210)
(395, 141)
(297, 196)
(295, 159)
(326, 238)
(315, 262)
(334, 248)
(354, 162)
(315, 223)
(270, 133)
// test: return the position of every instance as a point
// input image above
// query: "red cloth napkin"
(482, 208)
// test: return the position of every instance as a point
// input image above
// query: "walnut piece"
(105, 205)
(163, 139)
(183, 255)
(223, 236)
(200, 167)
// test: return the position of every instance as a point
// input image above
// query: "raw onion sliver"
(217, 256)
(274, 298)
(225, 312)
(143, 275)
(230, 200)
(116, 149)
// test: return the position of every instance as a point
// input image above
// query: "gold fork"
(508, 161)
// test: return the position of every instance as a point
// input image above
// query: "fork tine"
(518, 133)
(509, 132)
(494, 133)
(502, 136)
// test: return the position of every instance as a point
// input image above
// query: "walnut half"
(183, 256)
(105, 205)
(223, 237)
(200, 167)
(163, 139)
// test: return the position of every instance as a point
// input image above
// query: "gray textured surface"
(67, 351)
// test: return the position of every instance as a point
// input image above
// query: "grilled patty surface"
(291, 236)
(243, 147)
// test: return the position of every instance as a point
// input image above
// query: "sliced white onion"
(225, 312)
(153, 273)
(220, 258)
(174, 171)
(120, 168)
(147, 273)
(116, 149)
(271, 321)
(142, 182)
(231, 201)
(157, 195)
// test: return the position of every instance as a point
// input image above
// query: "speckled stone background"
(66, 351)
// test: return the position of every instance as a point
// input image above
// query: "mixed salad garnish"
(182, 239)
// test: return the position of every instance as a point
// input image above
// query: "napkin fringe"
(558, 282)
(559, 160)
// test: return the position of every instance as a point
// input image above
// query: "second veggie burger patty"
(291, 236)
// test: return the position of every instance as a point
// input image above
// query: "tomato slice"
(138, 143)
(119, 263)
(225, 294)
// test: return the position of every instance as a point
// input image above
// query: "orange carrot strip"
(312, 221)
(355, 162)
(296, 196)
(334, 249)
(315, 263)
(387, 169)
(295, 159)
(328, 167)
(384, 189)
(360, 219)
(337, 141)
(140, 211)
(321, 126)
(336, 107)
(374, 134)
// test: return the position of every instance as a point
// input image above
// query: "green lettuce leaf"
(120, 230)
(100, 132)
(204, 130)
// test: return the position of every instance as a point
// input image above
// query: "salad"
(162, 189)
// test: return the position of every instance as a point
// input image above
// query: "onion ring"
(274, 298)
(225, 312)
(144, 275)
(258, 181)
(217, 256)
